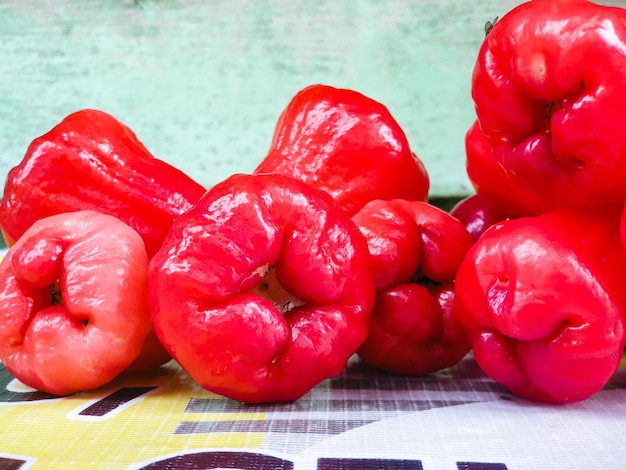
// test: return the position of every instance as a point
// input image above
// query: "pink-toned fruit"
(73, 302)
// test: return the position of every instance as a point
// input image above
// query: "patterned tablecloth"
(457, 419)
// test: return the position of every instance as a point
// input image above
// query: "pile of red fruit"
(265, 284)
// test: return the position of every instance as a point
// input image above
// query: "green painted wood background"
(202, 82)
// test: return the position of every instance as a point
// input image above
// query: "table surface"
(456, 419)
(202, 83)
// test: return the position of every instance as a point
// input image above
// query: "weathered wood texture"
(203, 82)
